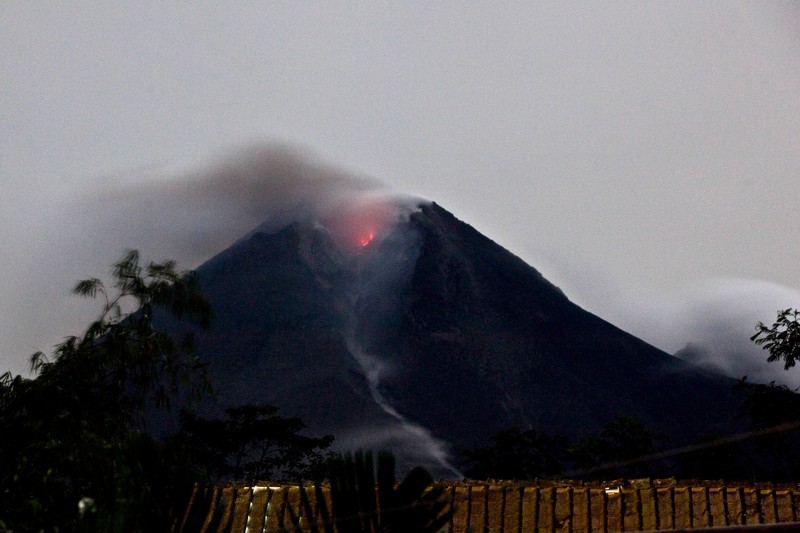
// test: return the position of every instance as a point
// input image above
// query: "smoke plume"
(188, 214)
(194, 215)
(721, 316)
(708, 323)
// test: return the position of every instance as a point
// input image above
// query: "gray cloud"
(721, 316)
(643, 146)
(714, 318)
(187, 214)
(191, 213)
(195, 214)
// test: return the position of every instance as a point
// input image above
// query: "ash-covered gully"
(384, 270)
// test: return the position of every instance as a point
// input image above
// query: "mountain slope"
(428, 337)
(481, 312)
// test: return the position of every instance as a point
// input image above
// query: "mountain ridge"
(431, 338)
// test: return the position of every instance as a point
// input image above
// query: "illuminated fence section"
(639, 505)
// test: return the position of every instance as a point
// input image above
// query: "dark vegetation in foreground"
(75, 454)
(73, 437)
(626, 448)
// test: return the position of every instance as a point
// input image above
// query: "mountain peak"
(426, 337)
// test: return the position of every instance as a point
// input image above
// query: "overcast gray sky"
(644, 156)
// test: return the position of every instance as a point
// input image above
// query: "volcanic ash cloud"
(194, 214)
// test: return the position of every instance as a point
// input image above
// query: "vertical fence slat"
(275, 507)
(716, 505)
(495, 498)
(666, 508)
(216, 495)
(699, 507)
(735, 500)
(649, 508)
(227, 500)
(630, 509)
(547, 502)
(783, 499)
(477, 518)
(614, 510)
(766, 498)
(241, 509)
(580, 509)
(563, 509)
(293, 503)
(752, 511)
(683, 518)
(258, 512)
(513, 516)
(461, 514)
(598, 510)
(308, 518)
(530, 504)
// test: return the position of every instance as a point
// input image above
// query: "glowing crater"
(359, 222)
(366, 239)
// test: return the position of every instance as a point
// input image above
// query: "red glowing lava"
(366, 239)
(360, 221)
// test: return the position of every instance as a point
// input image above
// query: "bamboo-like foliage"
(366, 498)
(73, 433)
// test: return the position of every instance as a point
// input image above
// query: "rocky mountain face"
(428, 337)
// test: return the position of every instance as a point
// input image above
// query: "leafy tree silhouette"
(613, 451)
(517, 454)
(782, 339)
(73, 433)
(252, 443)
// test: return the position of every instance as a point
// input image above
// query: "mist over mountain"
(191, 212)
(395, 325)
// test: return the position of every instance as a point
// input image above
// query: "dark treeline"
(75, 454)
(626, 448)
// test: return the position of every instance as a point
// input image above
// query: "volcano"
(423, 336)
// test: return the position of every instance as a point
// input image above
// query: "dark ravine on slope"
(431, 336)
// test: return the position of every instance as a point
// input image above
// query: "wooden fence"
(567, 507)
